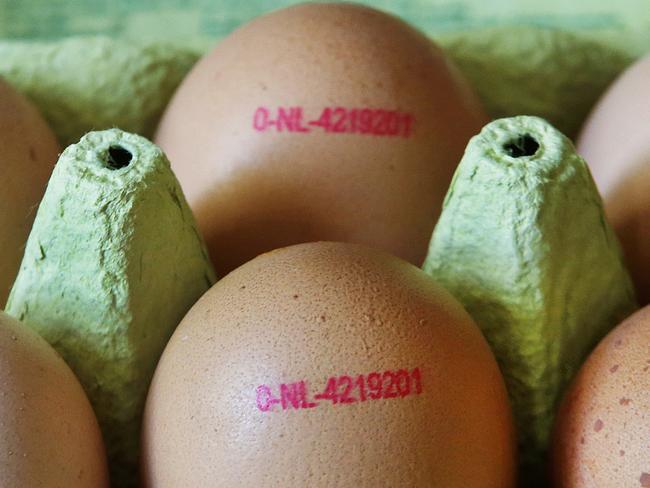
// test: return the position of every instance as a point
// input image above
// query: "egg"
(328, 364)
(615, 141)
(49, 435)
(322, 121)
(603, 426)
(28, 151)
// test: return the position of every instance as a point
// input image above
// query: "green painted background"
(621, 21)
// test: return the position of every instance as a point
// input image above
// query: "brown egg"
(28, 151)
(322, 365)
(602, 434)
(615, 141)
(49, 436)
(319, 122)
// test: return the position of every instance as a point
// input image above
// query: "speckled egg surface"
(328, 365)
(602, 435)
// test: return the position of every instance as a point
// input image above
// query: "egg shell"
(257, 182)
(603, 429)
(49, 436)
(28, 151)
(305, 314)
(615, 141)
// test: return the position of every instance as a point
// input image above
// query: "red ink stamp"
(341, 390)
(335, 120)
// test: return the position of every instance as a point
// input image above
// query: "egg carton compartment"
(93, 83)
(120, 72)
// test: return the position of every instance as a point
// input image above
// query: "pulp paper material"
(113, 263)
(552, 74)
(89, 83)
(523, 243)
(94, 83)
